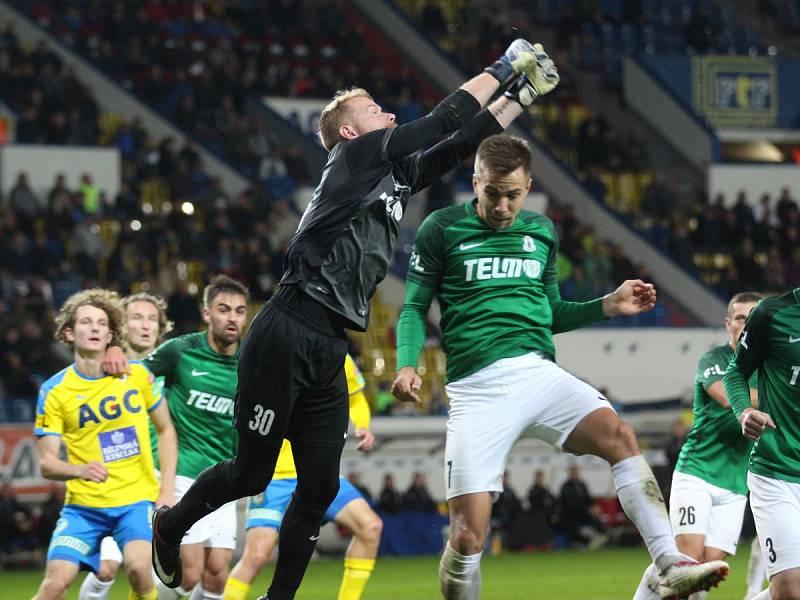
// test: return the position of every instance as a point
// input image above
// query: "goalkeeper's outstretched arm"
(521, 58)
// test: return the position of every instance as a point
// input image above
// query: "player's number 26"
(262, 419)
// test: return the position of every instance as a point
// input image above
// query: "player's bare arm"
(167, 453)
(52, 467)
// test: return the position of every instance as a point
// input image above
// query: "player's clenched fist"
(406, 385)
(755, 423)
(93, 471)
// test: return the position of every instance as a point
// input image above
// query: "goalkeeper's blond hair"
(106, 300)
(164, 324)
(330, 120)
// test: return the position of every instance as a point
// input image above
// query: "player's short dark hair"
(223, 284)
(744, 298)
(503, 154)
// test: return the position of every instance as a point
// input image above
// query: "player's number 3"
(262, 420)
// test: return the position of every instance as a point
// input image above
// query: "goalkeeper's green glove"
(523, 57)
(521, 91)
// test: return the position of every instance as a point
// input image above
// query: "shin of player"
(265, 511)
(103, 421)
(492, 265)
(709, 486)
(145, 326)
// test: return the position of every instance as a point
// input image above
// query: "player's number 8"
(262, 420)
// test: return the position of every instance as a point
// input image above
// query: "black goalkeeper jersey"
(344, 243)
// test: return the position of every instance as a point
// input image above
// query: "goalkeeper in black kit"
(291, 367)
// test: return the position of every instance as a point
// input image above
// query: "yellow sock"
(235, 589)
(151, 595)
(356, 575)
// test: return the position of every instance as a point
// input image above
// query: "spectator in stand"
(417, 496)
(657, 200)
(390, 500)
(677, 437)
(354, 477)
(506, 508)
(785, 205)
(182, 309)
(16, 524)
(592, 146)
(579, 518)
(50, 512)
(542, 506)
(594, 183)
(25, 203)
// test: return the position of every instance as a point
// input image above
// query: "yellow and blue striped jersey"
(359, 415)
(103, 419)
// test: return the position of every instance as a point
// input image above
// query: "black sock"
(298, 538)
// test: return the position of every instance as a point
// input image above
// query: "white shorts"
(215, 530)
(491, 409)
(109, 550)
(697, 507)
(776, 509)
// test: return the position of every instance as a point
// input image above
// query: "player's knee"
(214, 581)
(217, 568)
(466, 541)
(258, 556)
(785, 589)
(370, 531)
(140, 573)
(53, 586)
(620, 442)
(108, 571)
(189, 580)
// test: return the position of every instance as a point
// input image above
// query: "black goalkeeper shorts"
(292, 382)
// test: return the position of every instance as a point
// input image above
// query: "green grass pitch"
(603, 575)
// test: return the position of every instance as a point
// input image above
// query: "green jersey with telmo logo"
(497, 288)
(200, 389)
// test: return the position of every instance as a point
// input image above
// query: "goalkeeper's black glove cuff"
(501, 70)
(521, 91)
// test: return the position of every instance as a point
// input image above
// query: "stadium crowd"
(75, 235)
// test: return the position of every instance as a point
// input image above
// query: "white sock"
(198, 593)
(459, 575)
(94, 589)
(641, 500)
(698, 596)
(763, 595)
(756, 569)
(165, 593)
(648, 586)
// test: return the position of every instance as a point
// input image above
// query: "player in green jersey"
(492, 267)
(145, 326)
(709, 486)
(770, 344)
(199, 371)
